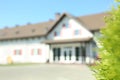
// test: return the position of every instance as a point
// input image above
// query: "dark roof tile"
(25, 31)
(91, 22)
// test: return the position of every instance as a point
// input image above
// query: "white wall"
(26, 45)
(68, 33)
(7, 48)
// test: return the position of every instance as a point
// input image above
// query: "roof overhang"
(67, 41)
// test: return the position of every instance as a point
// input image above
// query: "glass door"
(67, 54)
(56, 54)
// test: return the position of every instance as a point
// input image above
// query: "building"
(67, 39)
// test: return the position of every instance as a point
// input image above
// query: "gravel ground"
(46, 72)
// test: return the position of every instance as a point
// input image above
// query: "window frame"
(37, 52)
(56, 33)
(18, 52)
(76, 32)
(65, 25)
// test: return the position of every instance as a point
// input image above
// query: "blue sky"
(13, 12)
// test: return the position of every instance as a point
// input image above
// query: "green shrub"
(108, 68)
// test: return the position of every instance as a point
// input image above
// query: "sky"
(21, 12)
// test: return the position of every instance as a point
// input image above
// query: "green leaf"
(108, 67)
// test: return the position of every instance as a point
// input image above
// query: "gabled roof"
(32, 30)
(91, 22)
(60, 18)
(94, 21)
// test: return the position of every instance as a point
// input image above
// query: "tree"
(108, 68)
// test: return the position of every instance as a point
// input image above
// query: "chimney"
(57, 16)
(6, 27)
(16, 25)
(28, 23)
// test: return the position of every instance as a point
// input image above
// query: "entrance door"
(67, 53)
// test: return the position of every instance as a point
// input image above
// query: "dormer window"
(17, 32)
(33, 30)
(3, 34)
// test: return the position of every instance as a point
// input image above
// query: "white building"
(67, 39)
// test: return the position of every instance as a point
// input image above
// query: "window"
(36, 52)
(17, 32)
(33, 30)
(39, 51)
(70, 54)
(77, 32)
(17, 52)
(56, 33)
(59, 51)
(77, 53)
(65, 25)
(56, 54)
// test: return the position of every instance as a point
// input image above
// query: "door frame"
(68, 55)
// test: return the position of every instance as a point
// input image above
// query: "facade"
(67, 39)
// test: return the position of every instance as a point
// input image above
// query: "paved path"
(46, 72)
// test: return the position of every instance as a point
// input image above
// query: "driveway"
(46, 72)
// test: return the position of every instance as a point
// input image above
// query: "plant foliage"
(108, 68)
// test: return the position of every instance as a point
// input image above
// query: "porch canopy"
(67, 40)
